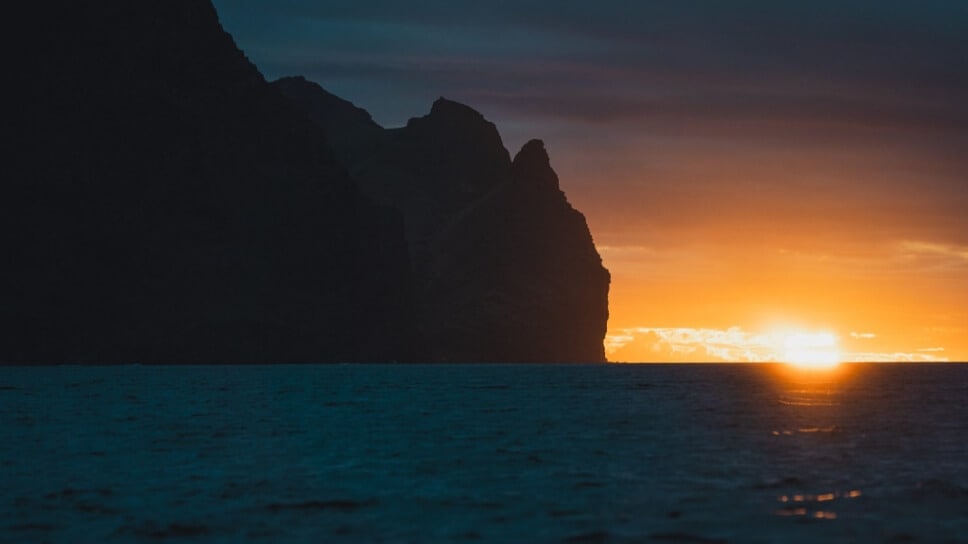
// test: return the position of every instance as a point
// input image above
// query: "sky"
(763, 179)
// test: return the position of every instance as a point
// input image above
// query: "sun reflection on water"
(813, 386)
(810, 405)
(812, 399)
(806, 505)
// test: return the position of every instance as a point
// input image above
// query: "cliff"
(163, 203)
(505, 268)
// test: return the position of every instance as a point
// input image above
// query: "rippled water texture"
(670, 453)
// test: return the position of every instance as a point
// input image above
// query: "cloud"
(863, 335)
(922, 249)
(894, 357)
(615, 342)
(734, 344)
(698, 62)
(700, 344)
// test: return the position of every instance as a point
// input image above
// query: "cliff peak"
(535, 148)
(532, 163)
(448, 120)
(449, 109)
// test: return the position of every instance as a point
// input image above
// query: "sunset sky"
(754, 173)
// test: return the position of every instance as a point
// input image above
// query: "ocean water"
(477, 453)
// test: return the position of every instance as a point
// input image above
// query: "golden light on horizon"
(713, 303)
(810, 350)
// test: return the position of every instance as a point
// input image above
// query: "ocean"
(484, 453)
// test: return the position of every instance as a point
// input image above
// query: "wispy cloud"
(615, 342)
(732, 344)
(894, 357)
(735, 344)
(952, 254)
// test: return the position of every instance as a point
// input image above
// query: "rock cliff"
(505, 268)
(163, 203)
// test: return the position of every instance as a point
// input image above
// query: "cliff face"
(164, 203)
(505, 268)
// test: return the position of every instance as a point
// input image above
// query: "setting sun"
(815, 350)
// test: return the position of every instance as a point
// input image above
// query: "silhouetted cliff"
(162, 202)
(505, 267)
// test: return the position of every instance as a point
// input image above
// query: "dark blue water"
(386, 453)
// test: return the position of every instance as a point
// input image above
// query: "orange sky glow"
(717, 276)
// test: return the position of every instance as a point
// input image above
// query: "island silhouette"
(166, 204)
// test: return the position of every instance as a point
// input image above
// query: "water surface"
(478, 453)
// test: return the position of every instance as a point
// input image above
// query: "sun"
(812, 350)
